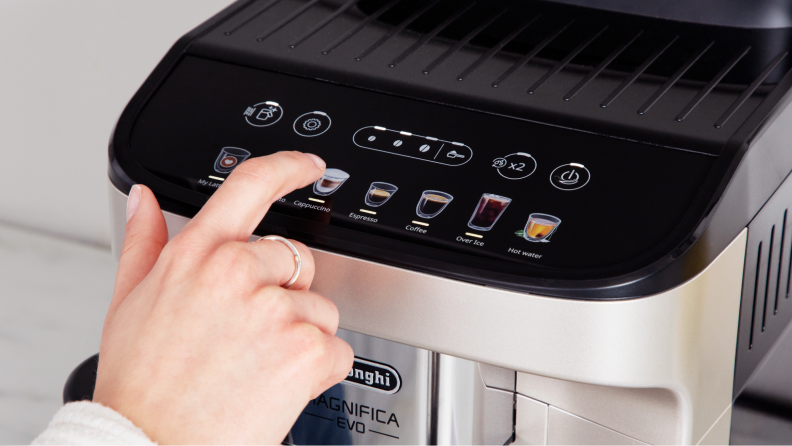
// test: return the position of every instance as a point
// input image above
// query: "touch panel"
(461, 180)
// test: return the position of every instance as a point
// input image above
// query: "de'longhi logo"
(374, 376)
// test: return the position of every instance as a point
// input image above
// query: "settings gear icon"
(312, 124)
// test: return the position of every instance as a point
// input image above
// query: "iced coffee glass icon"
(330, 181)
(379, 193)
(432, 202)
(229, 158)
(488, 211)
(540, 227)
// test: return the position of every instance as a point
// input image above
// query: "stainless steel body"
(658, 369)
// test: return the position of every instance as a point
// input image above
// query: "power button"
(570, 176)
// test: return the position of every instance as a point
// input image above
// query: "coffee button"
(570, 176)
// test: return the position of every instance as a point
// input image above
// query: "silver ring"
(297, 259)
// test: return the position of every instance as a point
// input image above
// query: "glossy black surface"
(635, 197)
(721, 210)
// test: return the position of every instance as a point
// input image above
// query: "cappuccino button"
(570, 176)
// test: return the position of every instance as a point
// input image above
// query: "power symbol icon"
(570, 176)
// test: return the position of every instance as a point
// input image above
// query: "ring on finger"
(297, 259)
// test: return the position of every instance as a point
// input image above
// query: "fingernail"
(133, 201)
(319, 161)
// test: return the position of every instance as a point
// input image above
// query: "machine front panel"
(463, 181)
(373, 409)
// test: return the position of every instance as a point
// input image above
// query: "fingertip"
(318, 161)
(133, 201)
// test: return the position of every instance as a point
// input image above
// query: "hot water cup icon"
(432, 202)
(540, 227)
(330, 181)
(379, 193)
(488, 211)
(229, 158)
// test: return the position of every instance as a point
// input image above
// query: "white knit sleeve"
(85, 422)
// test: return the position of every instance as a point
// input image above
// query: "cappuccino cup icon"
(330, 181)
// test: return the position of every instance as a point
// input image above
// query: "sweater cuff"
(85, 422)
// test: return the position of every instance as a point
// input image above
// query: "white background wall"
(67, 68)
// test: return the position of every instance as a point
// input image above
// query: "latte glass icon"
(432, 202)
(330, 181)
(229, 158)
(379, 193)
(540, 227)
(488, 211)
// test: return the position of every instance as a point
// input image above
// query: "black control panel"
(434, 175)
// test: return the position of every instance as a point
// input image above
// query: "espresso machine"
(542, 222)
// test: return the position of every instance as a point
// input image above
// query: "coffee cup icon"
(432, 202)
(330, 181)
(379, 193)
(540, 227)
(229, 158)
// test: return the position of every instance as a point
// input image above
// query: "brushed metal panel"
(347, 414)
(721, 430)
(468, 412)
(681, 340)
(651, 415)
(530, 423)
(498, 377)
(565, 428)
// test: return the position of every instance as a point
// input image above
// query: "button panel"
(408, 144)
(526, 197)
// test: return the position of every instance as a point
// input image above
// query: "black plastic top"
(559, 185)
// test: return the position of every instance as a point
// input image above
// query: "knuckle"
(313, 344)
(278, 306)
(233, 261)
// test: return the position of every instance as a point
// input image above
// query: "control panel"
(425, 173)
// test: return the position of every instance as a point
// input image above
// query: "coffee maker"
(543, 222)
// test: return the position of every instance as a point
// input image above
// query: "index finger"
(238, 206)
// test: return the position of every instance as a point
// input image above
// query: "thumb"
(145, 236)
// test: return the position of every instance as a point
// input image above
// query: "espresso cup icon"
(540, 227)
(432, 202)
(330, 181)
(379, 193)
(229, 158)
(488, 211)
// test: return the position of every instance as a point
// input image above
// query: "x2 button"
(515, 166)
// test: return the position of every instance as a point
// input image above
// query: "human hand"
(201, 344)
